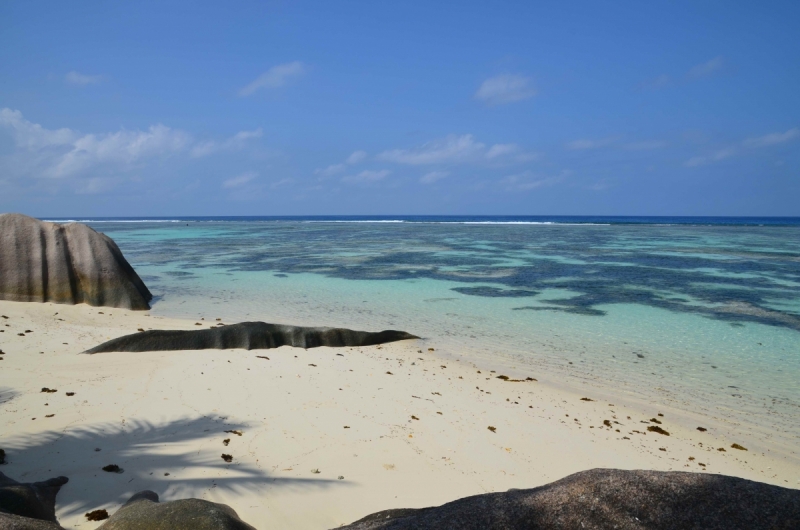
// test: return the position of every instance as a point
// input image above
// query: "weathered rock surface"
(144, 512)
(608, 498)
(248, 336)
(30, 506)
(65, 264)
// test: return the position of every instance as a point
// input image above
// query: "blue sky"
(298, 108)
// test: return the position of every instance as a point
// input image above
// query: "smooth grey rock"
(65, 264)
(29, 504)
(610, 498)
(248, 336)
(144, 512)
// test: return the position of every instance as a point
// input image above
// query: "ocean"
(700, 314)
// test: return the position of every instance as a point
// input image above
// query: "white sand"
(166, 412)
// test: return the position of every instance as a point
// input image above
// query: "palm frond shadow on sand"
(188, 450)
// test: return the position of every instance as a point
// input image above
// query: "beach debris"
(721, 449)
(607, 423)
(315, 471)
(314, 365)
(4, 317)
(656, 429)
(227, 458)
(341, 477)
(166, 474)
(503, 377)
(655, 421)
(493, 429)
(113, 468)
(389, 373)
(658, 414)
(226, 441)
(262, 357)
(414, 417)
(430, 349)
(237, 433)
(70, 394)
(702, 429)
(2, 457)
(439, 413)
(21, 334)
(346, 426)
(197, 324)
(739, 447)
(691, 458)
(443, 366)
(140, 329)
(49, 390)
(49, 415)
(435, 394)
(97, 515)
(586, 399)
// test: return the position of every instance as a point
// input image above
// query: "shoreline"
(166, 412)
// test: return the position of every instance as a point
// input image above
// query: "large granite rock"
(65, 264)
(609, 498)
(248, 336)
(144, 512)
(30, 506)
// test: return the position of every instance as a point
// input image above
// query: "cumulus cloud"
(32, 136)
(433, 176)
(356, 157)
(275, 77)
(772, 139)
(78, 79)
(501, 150)
(750, 143)
(707, 68)
(234, 143)
(367, 176)
(589, 144)
(239, 180)
(717, 156)
(505, 88)
(450, 149)
(527, 181)
(333, 169)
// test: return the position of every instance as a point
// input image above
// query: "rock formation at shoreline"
(248, 336)
(610, 498)
(144, 512)
(30, 506)
(65, 264)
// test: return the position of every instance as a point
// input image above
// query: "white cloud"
(77, 79)
(501, 150)
(707, 68)
(656, 83)
(367, 176)
(450, 149)
(356, 157)
(722, 154)
(589, 144)
(433, 176)
(772, 139)
(234, 143)
(333, 169)
(275, 77)
(239, 180)
(505, 88)
(527, 181)
(645, 145)
(32, 136)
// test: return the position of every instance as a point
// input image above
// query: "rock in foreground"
(65, 264)
(144, 512)
(248, 336)
(29, 506)
(608, 498)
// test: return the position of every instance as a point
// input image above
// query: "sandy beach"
(318, 437)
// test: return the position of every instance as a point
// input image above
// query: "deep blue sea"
(701, 313)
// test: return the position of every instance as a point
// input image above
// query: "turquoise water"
(704, 316)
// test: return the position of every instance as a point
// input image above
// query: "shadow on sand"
(176, 459)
